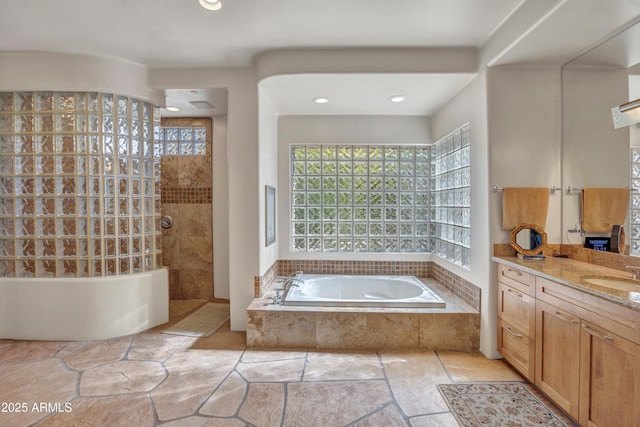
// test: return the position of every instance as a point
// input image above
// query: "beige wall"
(220, 208)
(524, 105)
(470, 106)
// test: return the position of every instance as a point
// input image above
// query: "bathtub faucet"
(292, 281)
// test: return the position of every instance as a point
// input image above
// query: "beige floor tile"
(266, 355)
(435, 420)
(71, 347)
(476, 367)
(216, 381)
(193, 375)
(98, 353)
(342, 366)
(277, 371)
(29, 351)
(413, 376)
(226, 400)
(154, 346)
(333, 403)
(6, 343)
(205, 422)
(131, 410)
(223, 338)
(387, 417)
(32, 383)
(263, 405)
(121, 378)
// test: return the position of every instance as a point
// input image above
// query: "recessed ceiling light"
(172, 108)
(320, 100)
(397, 98)
(211, 4)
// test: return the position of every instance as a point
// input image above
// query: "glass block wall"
(451, 197)
(79, 185)
(371, 198)
(182, 141)
(634, 221)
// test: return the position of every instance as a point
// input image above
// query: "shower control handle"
(166, 222)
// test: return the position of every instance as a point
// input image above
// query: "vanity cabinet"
(585, 350)
(557, 365)
(609, 378)
(516, 319)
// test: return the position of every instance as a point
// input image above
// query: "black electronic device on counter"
(598, 243)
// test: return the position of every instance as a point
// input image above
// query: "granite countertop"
(572, 273)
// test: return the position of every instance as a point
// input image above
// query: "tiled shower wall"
(187, 199)
(461, 288)
(78, 190)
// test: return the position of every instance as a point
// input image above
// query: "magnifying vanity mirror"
(528, 239)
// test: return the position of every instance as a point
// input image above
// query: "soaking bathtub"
(361, 291)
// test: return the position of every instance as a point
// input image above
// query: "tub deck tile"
(455, 327)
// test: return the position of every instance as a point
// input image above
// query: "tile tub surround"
(181, 381)
(455, 284)
(456, 327)
(387, 268)
(262, 283)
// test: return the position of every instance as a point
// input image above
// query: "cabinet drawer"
(616, 318)
(517, 279)
(516, 308)
(517, 348)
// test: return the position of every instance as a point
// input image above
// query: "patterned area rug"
(202, 322)
(501, 404)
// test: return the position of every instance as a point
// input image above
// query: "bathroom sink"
(614, 283)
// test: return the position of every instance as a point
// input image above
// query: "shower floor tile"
(153, 379)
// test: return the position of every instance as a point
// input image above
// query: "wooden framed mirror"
(528, 239)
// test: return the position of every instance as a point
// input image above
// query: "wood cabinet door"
(609, 379)
(557, 369)
(516, 308)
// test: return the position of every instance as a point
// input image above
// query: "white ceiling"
(354, 94)
(179, 33)
(183, 98)
(622, 50)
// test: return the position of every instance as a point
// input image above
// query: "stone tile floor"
(152, 379)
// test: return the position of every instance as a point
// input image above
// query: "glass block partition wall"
(451, 197)
(79, 185)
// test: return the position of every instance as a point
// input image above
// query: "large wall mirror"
(594, 153)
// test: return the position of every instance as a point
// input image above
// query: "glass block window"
(451, 197)
(78, 185)
(634, 221)
(360, 198)
(181, 141)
